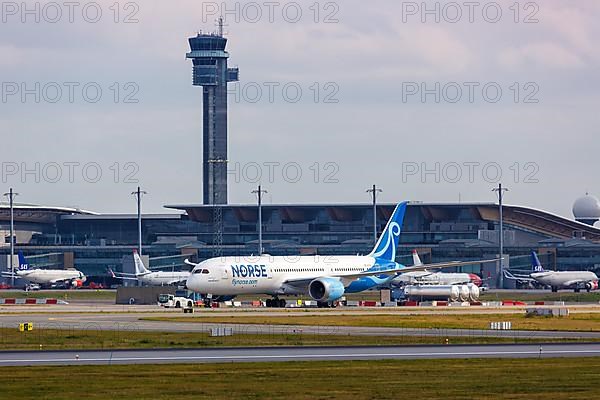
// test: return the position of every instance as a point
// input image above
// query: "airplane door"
(225, 274)
(269, 272)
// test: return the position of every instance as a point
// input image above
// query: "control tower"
(210, 71)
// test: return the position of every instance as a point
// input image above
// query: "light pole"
(259, 192)
(500, 190)
(138, 194)
(11, 195)
(374, 190)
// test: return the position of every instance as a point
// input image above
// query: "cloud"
(543, 54)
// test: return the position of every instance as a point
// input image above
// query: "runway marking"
(278, 356)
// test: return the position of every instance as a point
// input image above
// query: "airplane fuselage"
(565, 279)
(230, 276)
(163, 278)
(50, 276)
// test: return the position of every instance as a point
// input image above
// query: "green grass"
(77, 294)
(574, 322)
(55, 339)
(556, 379)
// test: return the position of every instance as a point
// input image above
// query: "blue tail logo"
(387, 244)
(23, 265)
(536, 265)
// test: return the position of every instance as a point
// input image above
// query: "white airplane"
(438, 278)
(47, 277)
(152, 278)
(575, 280)
(325, 279)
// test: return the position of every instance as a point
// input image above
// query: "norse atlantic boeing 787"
(325, 279)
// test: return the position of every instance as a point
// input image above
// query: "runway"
(280, 354)
(131, 322)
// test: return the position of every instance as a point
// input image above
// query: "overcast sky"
(390, 94)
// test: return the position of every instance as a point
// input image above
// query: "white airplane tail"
(140, 268)
(416, 260)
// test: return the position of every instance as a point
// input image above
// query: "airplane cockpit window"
(201, 271)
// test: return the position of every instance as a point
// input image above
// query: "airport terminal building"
(62, 237)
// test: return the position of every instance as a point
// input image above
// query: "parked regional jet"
(47, 277)
(576, 280)
(152, 278)
(325, 279)
(438, 278)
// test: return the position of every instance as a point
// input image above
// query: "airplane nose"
(192, 283)
(476, 279)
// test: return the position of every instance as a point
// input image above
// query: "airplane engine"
(326, 289)
(591, 286)
(76, 283)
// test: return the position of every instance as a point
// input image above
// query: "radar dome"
(586, 209)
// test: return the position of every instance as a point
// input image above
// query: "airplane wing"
(574, 282)
(450, 264)
(129, 278)
(371, 272)
(122, 275)
(177, 281)
(521, 278)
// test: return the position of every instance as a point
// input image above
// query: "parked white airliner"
(325, 279)
(47, 277)
(152, 278)
(575, 280)
(438, 278)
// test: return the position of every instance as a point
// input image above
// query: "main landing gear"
(275, 303)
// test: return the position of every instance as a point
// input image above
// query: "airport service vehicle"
(172, 301)
(468, 292)
(438, 278)
(32, 287)
(556, 280)
(152, 278)
(47, 277)
(324, 278)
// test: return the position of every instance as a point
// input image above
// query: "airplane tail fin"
(23, 265)
(387, 244)
(416, 259)
(536, 265)
(140, 268)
